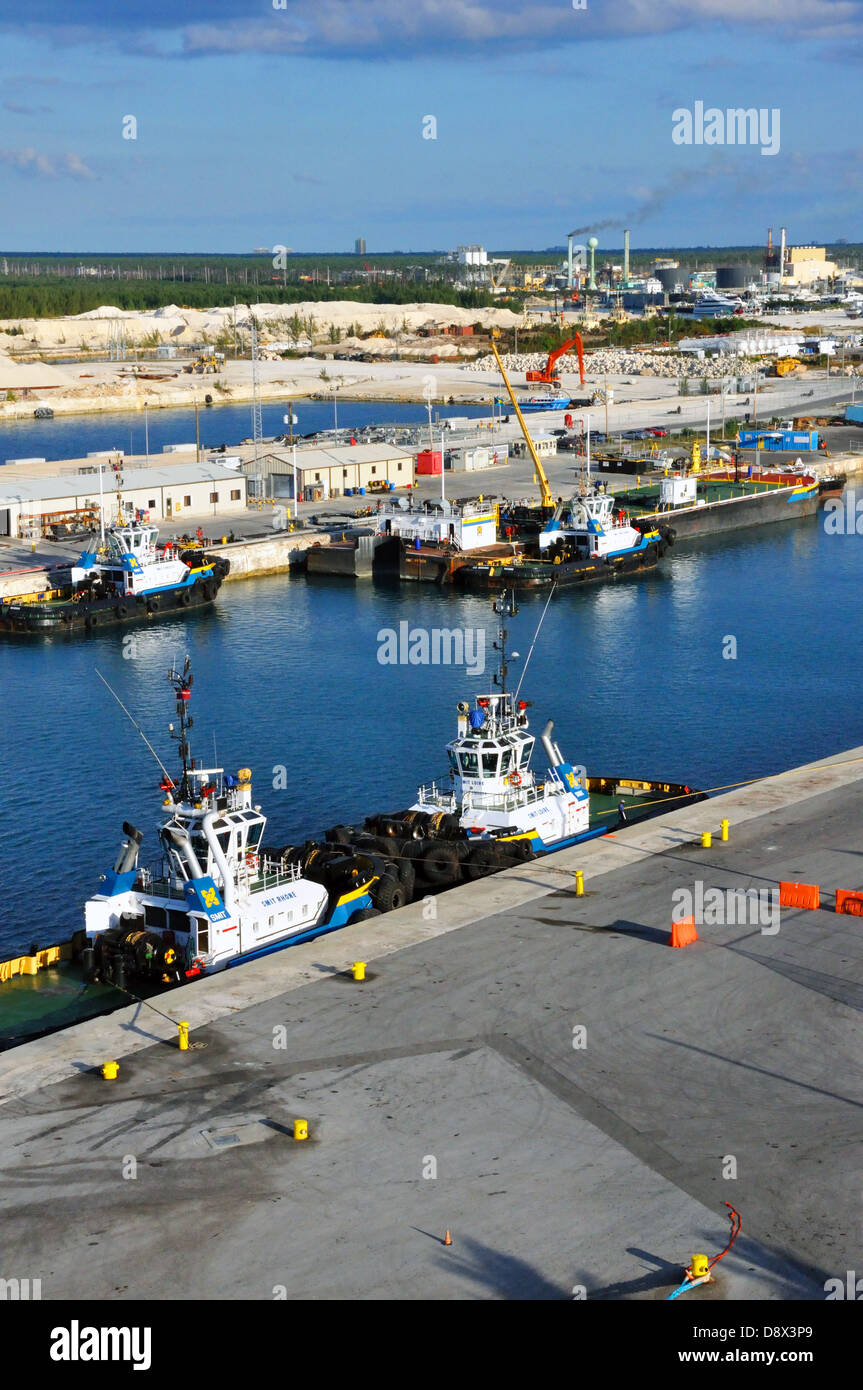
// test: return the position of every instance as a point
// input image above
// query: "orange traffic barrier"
(799, 895)
(849, 902)
(447, 1240)
(683, 933)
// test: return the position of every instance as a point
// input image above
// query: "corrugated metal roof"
(21, 489)
(331, 458)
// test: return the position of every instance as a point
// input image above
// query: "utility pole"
(257, 427)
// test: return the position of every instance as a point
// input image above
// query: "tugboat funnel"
(552, 752)
(128, 855)
(182, 841)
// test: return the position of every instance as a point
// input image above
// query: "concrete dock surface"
(536, 1072)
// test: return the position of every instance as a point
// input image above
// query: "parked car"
(657, 433)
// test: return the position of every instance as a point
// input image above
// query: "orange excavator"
(547, 374)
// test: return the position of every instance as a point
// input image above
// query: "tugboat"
(215, 898)
(497, 800)
(126, 577)
(584, 541)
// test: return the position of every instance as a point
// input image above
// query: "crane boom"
(545, 492)
(547, 373)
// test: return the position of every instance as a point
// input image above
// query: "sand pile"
(175, 324)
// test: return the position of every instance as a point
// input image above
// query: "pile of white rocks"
(617, 362)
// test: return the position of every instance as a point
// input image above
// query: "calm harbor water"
(287, 675)
(76, 436)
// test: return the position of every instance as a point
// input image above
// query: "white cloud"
(28, 160)
(388, 28)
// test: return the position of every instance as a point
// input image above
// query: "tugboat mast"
(182, 683)
(505, 607)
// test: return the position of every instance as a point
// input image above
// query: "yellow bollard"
(700, 1266)
(301, 1129)
(184, 1036)
(110, 1070)
(579, 883)
(358, 969)
(706, 839)
(723, 830)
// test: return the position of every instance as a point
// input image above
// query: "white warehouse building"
(33, 503)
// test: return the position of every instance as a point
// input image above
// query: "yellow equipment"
(206, 363)
(784, 365)
(545, 492)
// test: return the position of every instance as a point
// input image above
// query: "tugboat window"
(154, 916)
(469, 764)
(505, 760)
(489, 764)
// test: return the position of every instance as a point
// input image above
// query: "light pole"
(146, 433)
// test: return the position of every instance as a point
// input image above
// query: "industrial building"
(34, 505)
(324, 473)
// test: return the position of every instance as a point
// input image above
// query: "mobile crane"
(545, 493)
(547, 374)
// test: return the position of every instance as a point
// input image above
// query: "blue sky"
(303, 125)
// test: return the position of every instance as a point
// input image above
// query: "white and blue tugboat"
(126, 576)
(493, 791)
(585, 540)
(216, 896)
(502, 808)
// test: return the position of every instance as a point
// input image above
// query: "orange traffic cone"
(447, 1240)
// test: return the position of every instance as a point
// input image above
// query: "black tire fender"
(440, 864)
(389, 894)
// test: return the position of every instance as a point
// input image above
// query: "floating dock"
(535, 1071)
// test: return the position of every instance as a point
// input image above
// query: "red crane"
(547, 375)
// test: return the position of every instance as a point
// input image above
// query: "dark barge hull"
(542, 574)
(48, 619)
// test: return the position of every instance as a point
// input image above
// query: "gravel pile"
(617, 362)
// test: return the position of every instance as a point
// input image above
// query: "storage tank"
(670, 280)
(732, 277)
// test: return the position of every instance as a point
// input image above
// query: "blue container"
(361, 491)
(391, 487)
(349, 492)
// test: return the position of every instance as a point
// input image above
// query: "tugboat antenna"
(134, 723)
(533, 643)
